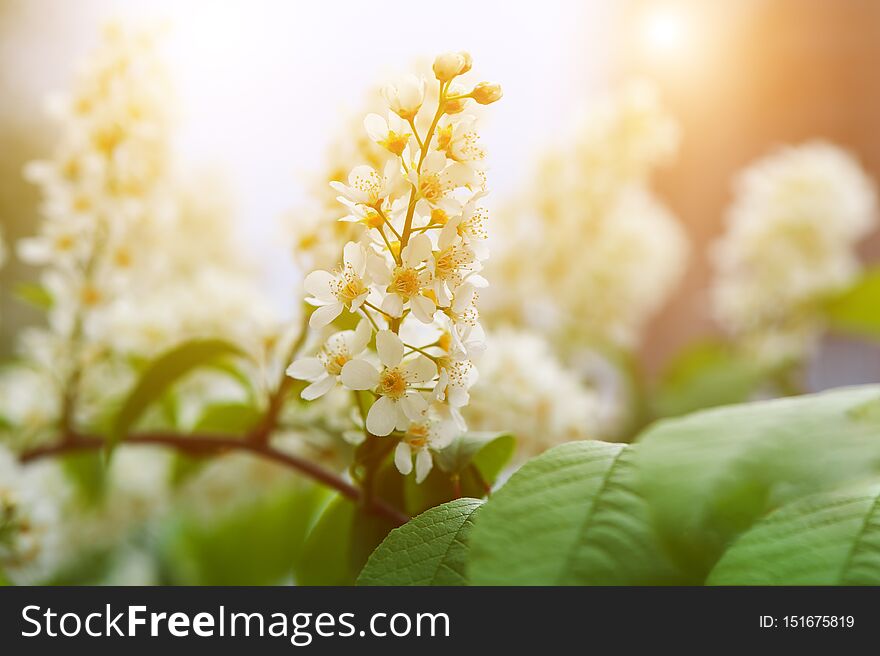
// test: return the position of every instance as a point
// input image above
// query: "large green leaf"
(430, 549)
(857, 311)
(163, 372)
(572, 516)
(705, 375)
(825, 539)
(253, 543)
(711, 475)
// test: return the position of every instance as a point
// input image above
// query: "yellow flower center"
(392, 383)
(405, 282)
(348, 286)
(444, 137)
(417, 435)
(90, 296)
(334, 362)
(395, 142)
(373, 219)
(430, 187)
(65, 243)
(445, 341)
(438, 217)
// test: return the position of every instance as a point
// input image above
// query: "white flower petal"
(382, 416)
(319, 388)
(413, 406)
(403, 458)
(378, 269)
(424, 463)
(390, 348)
(306, 369)
(417, 250)
(358, 340)
(392, 305)
(423, 308)
(359, 375)
(324, 315)
(434, 162)
(354, 256)
(318, 284)
(421, 369)
(376, 127)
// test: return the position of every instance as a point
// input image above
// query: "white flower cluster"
(610, 253)
(30, 519)
(524, 386)
(134, 261)
(414, 276)
(790, 245)
(106, 176)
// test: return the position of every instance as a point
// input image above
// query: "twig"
(212, 444)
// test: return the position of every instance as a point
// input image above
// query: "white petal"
(420, 370)
(306, 369)
(417, 250)
(460, 174)
(382, 416)
(324, 315)
(463, 297)
(423, 308)
(458, 397)
(376, 127)
(413, 406)
(448, 233)
(318, 284)
(392, 304)
(359, 339)
(353, 254)
(424, 463)
(359, 375)
(389, 347)
(434, 162)
(403, 458)
(319, 388)
(378, 269)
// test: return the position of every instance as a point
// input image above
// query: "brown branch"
(204, 444)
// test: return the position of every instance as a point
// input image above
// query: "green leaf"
(489, 452)
(229, 418)
(431, 549)
(160, 374)
(857, 310)
(339, 544)
(712, 474)
(705, 375)
(254, 543)
(34, 295)
(572, 516)
(466, 468)
(825, 539)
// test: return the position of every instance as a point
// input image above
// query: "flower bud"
(486, 93)
(457, 99)
(406, 97)
(450, 64)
